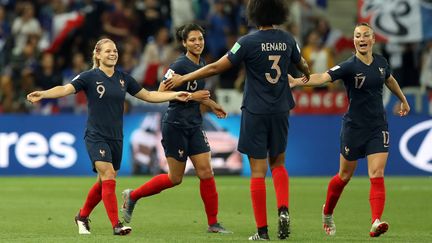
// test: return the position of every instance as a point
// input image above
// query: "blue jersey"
(105, 97)
(364, 87)
(267, 55)
(185, 114)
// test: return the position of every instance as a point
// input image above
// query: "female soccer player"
(267, 101)
(105, 89)
(183, 135)
(364, 130)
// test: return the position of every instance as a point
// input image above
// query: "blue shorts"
(263, 134)
(106, 150)
(356, 143)
(179, 143)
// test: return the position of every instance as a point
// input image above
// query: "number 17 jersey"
(267, 55)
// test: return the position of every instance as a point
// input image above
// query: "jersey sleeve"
(175, 67)
(339, 71)
(79, 82)
(238, 52)
(295, 53)
(388, 70)
(132, 85)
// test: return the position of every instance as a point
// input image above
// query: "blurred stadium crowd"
(44, 43)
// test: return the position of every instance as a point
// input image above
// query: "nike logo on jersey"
(346, 150)
(99, 82)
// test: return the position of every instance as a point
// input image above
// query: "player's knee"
(204, 173)
(176, 180)
(107, 175)
(345, 176)
(374, 173)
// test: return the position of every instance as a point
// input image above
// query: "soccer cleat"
(328, 223)
(120, 229)
(128, 205)
(83, 224)
(378, 228)
(257, 236)
(284, 225)
(218, 228)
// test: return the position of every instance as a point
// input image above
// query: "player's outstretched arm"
(393, 86)
(200, 95)
(159, 97)
(56, 92)
(315, 79)
(209, 70)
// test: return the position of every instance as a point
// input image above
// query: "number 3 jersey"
(364, 87)
(105, 97)
(267, 55)
(185, 114)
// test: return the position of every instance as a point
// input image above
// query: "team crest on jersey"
(180, 152)
(381, 69)
(122, 83)
(346, 150)
(102, 152)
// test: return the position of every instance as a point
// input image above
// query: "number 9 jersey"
(267, 55)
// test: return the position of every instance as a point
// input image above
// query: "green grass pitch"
(41, 209)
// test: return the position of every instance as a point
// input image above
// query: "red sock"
(110, 200)
(281, 185)
(94, 196)
(209, 196)
(258, 196)
(334, 190)
(377, 197)
(153, 186)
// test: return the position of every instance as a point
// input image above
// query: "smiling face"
(364, 39)
(107, 54)
(194, 43)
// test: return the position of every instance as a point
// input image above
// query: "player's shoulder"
(379, 58)
(347, 63)
(88, 74)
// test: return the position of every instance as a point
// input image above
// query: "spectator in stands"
(77, 103)
(426, 66)
(154, 60)
(120, 23)
(24, 26)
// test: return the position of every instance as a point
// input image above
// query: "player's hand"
(305, 78)
(294, 82)
(404, 109)
(200, 95)
(35, 96)
(173, 81)
(183, 96)
(219, 111)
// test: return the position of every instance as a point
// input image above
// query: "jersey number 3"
(275, 59)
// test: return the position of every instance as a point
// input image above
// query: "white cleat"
(83, 225)
(328, 223)
(378, 228)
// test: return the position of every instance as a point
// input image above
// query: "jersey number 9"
(101, 90)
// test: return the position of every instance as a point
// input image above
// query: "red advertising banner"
(320, 102)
